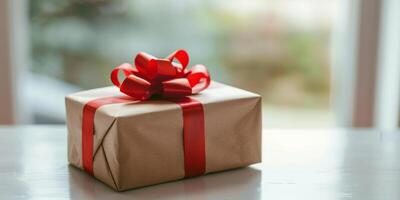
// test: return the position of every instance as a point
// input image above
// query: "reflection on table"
(297, 164)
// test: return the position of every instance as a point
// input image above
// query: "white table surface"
(297, 164)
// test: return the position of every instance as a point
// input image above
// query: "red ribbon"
(88, 127)
(154, 76)
(193, 136)
(165, 78)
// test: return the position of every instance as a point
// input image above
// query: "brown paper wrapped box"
(140, 143)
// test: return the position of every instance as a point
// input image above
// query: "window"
(279, 49)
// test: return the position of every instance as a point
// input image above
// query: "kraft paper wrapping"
(141, 143)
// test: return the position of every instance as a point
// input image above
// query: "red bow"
(154, 76)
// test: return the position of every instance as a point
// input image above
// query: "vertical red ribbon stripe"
(89, 111)
(193, 136)
(193, 132)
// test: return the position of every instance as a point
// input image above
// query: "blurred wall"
(7, 93)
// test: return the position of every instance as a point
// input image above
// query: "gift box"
(131, 140)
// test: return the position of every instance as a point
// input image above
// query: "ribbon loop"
(136, 87)
(126, 68)
(182, 56)
(177, 88)
(154, 76)
(199, 78)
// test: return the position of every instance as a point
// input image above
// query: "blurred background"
(316, 63)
